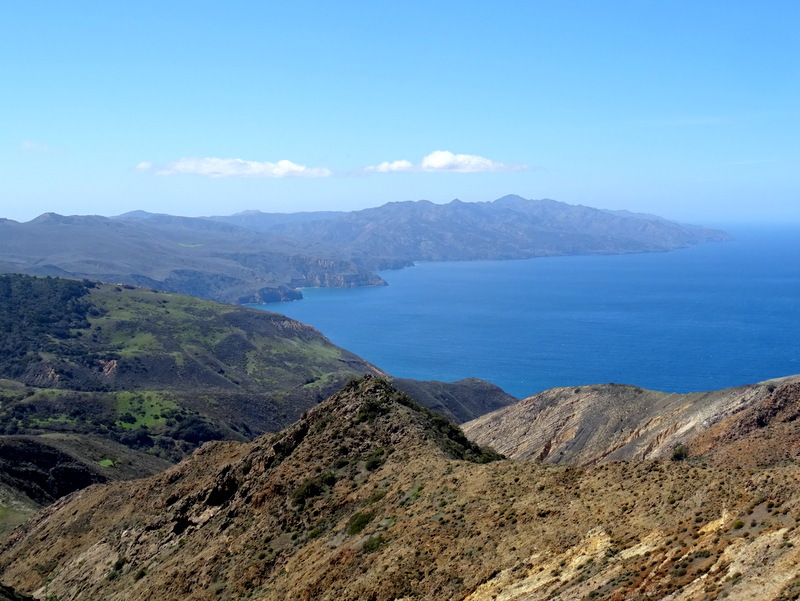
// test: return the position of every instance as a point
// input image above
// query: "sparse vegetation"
(371, 492)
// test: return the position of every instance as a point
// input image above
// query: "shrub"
(375, 460)
(373, 543)
(680, 452)
(359, 521)
(313, 487)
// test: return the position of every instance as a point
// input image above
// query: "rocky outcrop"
(9, 594)
(764, 434)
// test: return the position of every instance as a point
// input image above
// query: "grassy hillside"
(102, 382)
(155, 371)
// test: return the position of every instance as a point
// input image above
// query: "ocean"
(702, 318)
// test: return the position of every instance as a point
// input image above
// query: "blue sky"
(686, 109)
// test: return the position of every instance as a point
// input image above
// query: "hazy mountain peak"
(139, 214)
(49, 217)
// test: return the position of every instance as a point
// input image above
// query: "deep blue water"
(708, 317)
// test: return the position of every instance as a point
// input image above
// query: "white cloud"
(32, 146)
(144, 166)
(386, 166)
(446, 161)
(442, 160)
(214, 167)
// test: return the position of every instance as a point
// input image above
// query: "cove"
(712, 316)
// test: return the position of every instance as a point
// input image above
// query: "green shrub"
(373, 543)
(313, 487)
(680, 452)
(359, 521)
(375, 460)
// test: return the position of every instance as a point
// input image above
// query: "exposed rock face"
(764, 434)
(612, 422)
(371, 497)
(9, 594)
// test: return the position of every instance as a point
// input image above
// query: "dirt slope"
(612, 422)
(369, 496)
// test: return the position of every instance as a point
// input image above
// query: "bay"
(702, 318)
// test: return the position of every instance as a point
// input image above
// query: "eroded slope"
(370, 497)
(607, 422)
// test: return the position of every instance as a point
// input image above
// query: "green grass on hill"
(154, 370)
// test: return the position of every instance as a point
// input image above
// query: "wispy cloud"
(31, 146)
(214, 167)
(446, 161)
(387, 167)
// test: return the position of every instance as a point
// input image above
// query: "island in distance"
(258, 257)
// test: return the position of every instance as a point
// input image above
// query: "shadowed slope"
(459, 401)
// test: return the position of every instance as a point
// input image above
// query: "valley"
(101, 382)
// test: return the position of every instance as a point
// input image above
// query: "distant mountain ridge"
(190, 256)
(510, 227)
(255, 257)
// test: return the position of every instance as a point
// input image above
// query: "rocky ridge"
(613, 422)
(369, 496)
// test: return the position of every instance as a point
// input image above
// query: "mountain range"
(159, 446)
(371, 496)
(510, 227)
(259, 257)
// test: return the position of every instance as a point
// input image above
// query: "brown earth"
(612, 422)
(369, 496)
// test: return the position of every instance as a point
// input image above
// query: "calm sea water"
(703, 318)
